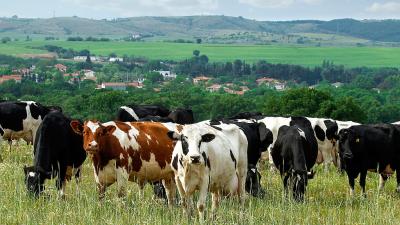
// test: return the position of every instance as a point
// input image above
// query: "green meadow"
(327, 201)
(306, 56)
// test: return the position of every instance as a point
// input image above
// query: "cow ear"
(173, 135)
(207, 137)
(109, 129)
(76, 126)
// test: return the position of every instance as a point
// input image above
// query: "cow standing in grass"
(208, 159)
(129, 151)
(293, 156)
(58, 152)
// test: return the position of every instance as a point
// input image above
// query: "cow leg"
(242, 173)
(363, 177)
(351, 183)
(286, 185)
(201, 203)
(398, 181)
(382, 181)
(101, 188)
(62, 189)
(170, 190)
(122, 181)
(78, 172)
(182, 194)
(270, 161)
(215, 203)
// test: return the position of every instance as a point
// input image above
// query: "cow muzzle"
(92, 147)
(195, 159)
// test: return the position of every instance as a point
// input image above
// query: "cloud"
(277, 3)
(148, 8)
(387, 7)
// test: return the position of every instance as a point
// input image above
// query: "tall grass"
(327, 201)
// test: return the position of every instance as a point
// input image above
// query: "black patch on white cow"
(175, 162)
(12, 114)
(185, 146)
(319, 132)
(35, 111)
(206, 160)
(233, 158)
(180, 161)
(331, 129)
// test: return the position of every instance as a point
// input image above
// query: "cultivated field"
(307, 56)
(327, 202)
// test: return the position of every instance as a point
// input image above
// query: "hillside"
(206, 27)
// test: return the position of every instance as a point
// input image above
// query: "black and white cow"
(206, 159)
(134, 113)
(374, 148)
(293, 156)
(258, 138)
(20, 120)
(273, 124)
(58, 153)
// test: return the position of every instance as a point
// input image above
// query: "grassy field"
(327, 202)
(307, 56)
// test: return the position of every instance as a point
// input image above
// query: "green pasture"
(307, 56)
(327, 201)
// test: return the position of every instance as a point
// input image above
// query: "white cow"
(209, 158)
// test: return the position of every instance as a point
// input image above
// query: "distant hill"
(199, 26)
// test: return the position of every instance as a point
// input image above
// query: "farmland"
(327, 201)
(307, 56)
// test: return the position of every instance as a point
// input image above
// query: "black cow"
(22, 119)
(58, 151)
(182, 116)
(373, 148)
(258, 138)
(293, 156)
(133, 113)
(156, 119)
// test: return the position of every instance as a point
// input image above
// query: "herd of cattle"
(151, 144)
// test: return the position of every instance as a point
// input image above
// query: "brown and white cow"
(134, 151)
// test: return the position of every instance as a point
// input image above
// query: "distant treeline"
(87, 39)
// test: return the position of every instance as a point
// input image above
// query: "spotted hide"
(134, 151)
(206, 159)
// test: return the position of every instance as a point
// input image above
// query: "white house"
(115, 59)
(167, 75)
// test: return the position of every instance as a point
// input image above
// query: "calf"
(21, 120)
(293, 156)
(211, 159)
(134, 151)
(58, 152)
(365, 148)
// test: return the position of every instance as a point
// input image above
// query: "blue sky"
(253, 9)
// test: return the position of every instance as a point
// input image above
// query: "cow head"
(347, 141)
(266, 137)
(92, 132)
(299, 183)
(191, 139)
(253, 179)
(33, 181)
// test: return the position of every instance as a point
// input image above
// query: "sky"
(253, 9)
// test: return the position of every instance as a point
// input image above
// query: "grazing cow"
(293, 156)
(58, 152)
(134, 151)
(373, 148)
(273, 124)
(325, 131)
(182, 116)
(206, 158)
(21, 120)
(133, 113)
(258, 138)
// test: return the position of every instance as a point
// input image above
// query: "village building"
(16, 78)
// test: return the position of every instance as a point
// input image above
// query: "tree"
(154, 77)
(196, 53)
(198, 40)
(5, 40)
